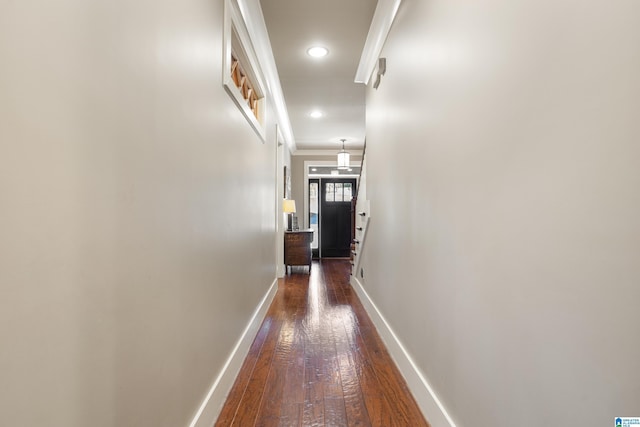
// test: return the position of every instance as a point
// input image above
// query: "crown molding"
(251, 13)
(331, 152)
(381, 23)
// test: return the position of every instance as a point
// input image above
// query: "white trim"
(252, 16)
(280, 226)
(234, 21)
(307, 164)
(378, 31)
(431, 407)
(212, 404)
(326, 175)
(332, 152)
(361, 206)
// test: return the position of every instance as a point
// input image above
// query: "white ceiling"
(325, 84)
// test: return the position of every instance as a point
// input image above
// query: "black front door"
(335, 217)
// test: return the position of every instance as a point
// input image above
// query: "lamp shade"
(343, 157)
(289, 206)
(343, 160)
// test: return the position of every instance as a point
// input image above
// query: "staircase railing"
(359, 221)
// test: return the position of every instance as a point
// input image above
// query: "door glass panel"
(329, 196)
(313, 212)
(339, 192)
(348, 194)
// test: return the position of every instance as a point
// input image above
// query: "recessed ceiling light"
(316, 114)
(314, 170)
(317, 51)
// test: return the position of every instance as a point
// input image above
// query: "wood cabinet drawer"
(297, 248)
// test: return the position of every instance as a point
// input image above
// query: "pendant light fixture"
(343, 157)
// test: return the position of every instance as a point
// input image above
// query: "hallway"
(317, 360)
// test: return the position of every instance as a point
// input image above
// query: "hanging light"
(343, 157)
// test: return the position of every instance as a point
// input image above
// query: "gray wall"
(132, 250)
(502, 151)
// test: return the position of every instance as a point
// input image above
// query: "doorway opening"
(330, 210)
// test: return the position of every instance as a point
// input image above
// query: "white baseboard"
(212, 405)
(429, 404)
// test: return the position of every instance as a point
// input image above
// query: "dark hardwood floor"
(318, 361)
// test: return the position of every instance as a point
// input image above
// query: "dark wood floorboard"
(317, 360)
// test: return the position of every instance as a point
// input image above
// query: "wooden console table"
(297, 248)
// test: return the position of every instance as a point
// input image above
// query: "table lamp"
(289, 207)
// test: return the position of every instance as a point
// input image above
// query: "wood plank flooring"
(317, 360)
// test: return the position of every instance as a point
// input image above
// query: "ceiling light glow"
(317, 51)
(316, 114)
(343, 157)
